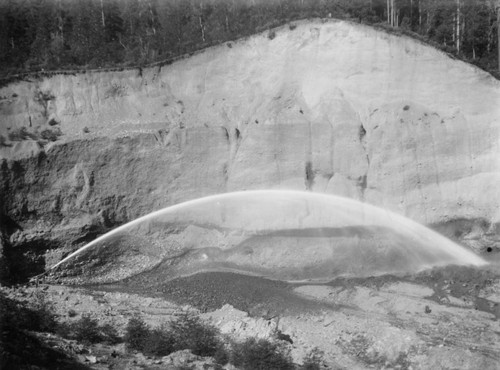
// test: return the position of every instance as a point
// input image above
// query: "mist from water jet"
(279, 234)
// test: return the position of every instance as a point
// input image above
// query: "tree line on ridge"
(38, 35)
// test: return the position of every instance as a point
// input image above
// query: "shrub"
(88, 330)
(86, 130)
(43, 96)
(271, 35)
(51, 134)
(282, 336)
(221, 356)
(187, 332)
(159, 342)
(43, 316)
(313, 360)
(53, 121)
(109, 334)
(115, 90)
(136, 334)
(21, 134)
(260, 354)
(37, 315)
(190, 333)
(19, 347)
(292, 26)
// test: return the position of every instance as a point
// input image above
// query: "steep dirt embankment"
(332, 107)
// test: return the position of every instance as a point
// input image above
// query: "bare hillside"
(329, 106)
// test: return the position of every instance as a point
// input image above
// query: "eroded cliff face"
(330, 107)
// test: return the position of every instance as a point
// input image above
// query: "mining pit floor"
(443, 318)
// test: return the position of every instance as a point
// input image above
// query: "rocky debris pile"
(239, 325)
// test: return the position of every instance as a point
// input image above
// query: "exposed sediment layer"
(329, 106)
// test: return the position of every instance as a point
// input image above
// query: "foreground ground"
(441, 319)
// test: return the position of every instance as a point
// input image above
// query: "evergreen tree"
(55, 34)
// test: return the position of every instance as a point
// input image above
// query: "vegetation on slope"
(189, 332)
(20, 347)
(23, 345)
(43, 35)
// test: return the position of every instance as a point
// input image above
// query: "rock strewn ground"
(384, 323)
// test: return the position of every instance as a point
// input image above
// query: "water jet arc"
(279, 234)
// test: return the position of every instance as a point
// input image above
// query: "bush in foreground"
(19, 319)
(190, 333)
(19, 347)
(87, 330)
(37, 315)
(51, 134)
(313, 360)
(159, 342)
(21, 133)
(137, 334)
(260, 354)
(187, 332)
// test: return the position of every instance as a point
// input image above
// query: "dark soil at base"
(209, 291)
(267, 298)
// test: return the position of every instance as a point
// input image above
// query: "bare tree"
(457, 30)
(498, 31)
(391, 13)
(200, 20)
(102, 15)
(151, 14)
